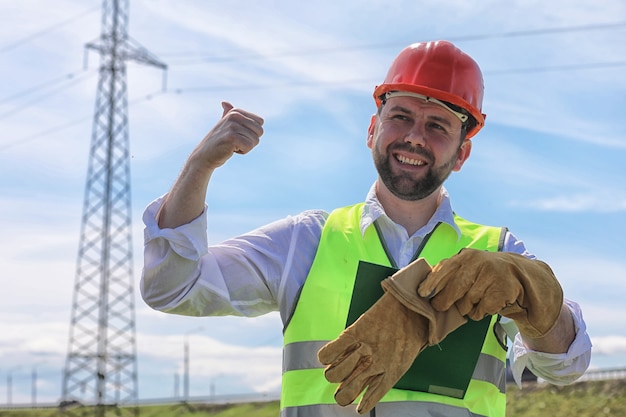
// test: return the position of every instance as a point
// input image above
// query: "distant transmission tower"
(101, 363)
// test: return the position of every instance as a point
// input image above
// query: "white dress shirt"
(264, 270)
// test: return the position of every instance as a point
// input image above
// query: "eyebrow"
(439, 119)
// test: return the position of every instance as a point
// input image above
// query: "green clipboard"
(444, 369)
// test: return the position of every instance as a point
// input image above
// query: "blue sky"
(548, 164)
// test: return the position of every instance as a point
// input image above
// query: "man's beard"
(407, 188)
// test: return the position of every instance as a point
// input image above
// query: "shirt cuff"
(555, 368)
(189, 240)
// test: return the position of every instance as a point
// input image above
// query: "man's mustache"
(416, 150)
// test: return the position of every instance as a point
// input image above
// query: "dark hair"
(469, 124)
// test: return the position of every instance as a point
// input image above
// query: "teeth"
(410, 161)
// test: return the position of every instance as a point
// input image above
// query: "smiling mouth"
(410, 161)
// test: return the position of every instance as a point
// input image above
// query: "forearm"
(186, 200)
(555, 368)
(238, 131)
(557, 340)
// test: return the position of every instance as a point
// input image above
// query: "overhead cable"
(195, 58)
(45, 31)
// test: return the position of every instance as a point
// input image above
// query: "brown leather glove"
(480, 283)
(377, 349)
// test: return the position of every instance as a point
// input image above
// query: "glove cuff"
(538, 311)
(403, 287)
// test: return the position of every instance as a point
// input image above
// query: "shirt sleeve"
(557, 369)
(242, 276)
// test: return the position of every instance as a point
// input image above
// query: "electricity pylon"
(101, 363)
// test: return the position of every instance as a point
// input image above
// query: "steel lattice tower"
(101, 365)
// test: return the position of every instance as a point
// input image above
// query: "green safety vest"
(462, 376)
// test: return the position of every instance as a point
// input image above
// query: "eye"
(400, 116)
(436, 126)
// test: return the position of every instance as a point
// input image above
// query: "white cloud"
(589, 269)
(593, 202)
(609, 345)
(250, 364)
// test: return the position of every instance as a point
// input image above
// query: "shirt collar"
(444, 214)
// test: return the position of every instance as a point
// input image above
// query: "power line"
(41, 86)
(296, 84)
(573, 67)
(543, 31)
(521, 33)
(45, 31)
(203, 58)
(72, 123)
(217, 88)
(38, 99)
(309, 52)
(45, 132)
(292, 84)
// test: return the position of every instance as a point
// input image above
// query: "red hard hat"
(439, 70)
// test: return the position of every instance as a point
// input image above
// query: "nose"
(415, 136)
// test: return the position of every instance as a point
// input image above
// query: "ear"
(370, 131)
(464, 153)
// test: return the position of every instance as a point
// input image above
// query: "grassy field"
(583, 399)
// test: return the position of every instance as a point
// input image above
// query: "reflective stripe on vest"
(321, 311)
(302, 355)
(405, 408)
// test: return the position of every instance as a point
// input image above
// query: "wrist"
(558, 339)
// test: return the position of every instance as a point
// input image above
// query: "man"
(322, 271)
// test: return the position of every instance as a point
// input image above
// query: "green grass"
(263, 409)
(582, 399)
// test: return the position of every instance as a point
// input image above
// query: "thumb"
(227, 107)
(428, 287)
(435, 281)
